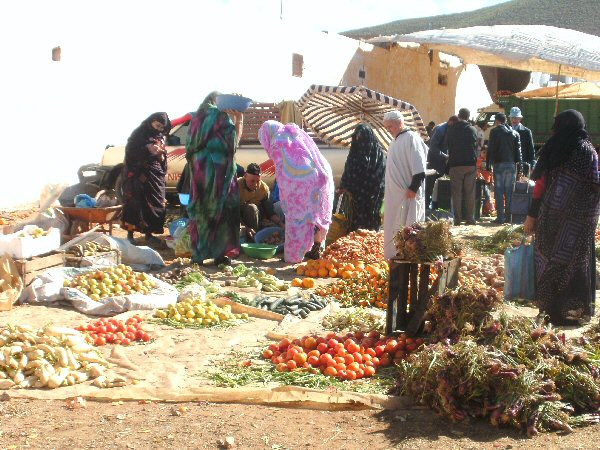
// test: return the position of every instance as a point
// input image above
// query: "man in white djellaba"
(404, 175)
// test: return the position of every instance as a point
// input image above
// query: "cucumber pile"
(296, 305)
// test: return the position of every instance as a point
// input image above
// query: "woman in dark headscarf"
(214, 207)
(364, 178)
(564, 214)
(144, 203)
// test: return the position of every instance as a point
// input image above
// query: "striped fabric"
(333, 112)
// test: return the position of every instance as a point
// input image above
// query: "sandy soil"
(46, 424)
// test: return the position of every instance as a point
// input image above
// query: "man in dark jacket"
(504, 153)
(462, 160)
(527, 148)
(437, 156)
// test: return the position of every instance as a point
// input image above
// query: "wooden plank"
(422, 303)
(239, 308)
(39, 262)
(414, 288)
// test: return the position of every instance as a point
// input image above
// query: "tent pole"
(556, 96)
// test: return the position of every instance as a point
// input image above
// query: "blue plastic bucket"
(176, 224)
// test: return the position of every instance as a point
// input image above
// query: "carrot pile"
(360, 245)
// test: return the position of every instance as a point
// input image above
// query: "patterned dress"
(305, 185)
(214, 207)
(364, 178)
(144, 174)
(567, 209)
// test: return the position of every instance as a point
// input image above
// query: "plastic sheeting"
(534, 48)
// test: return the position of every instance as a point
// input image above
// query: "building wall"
(409, 74)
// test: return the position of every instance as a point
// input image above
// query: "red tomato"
(117, 341)
(131, 329)
(146, 337)
(110, 338)
(140, 333)
(125, 342)
(99, 341)
(379, 350)
(101, 329)
(130, 336)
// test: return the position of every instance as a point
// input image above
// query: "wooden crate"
(411, 280)
(112, 256)
(31, 267)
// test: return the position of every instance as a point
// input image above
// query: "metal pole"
(556, 95)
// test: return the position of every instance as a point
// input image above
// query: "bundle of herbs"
(423, 242)
(459, 311)
(507, 237)
(512, 371)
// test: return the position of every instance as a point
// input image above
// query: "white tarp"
(534, 48)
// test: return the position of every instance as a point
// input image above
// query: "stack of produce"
(360, 245)
(88, 249)
(198, 313)
(423, 242)
(49, 357)
(296, 305)
(459, 311)
(249, 277)
(369, 288)
(350, 357)
(177, 274)
(512, 371)
(114, 331)
(332, 268)
(482, 272)
(33, 231)
(355, 319)
(117, 280)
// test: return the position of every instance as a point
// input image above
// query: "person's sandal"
(314, 252)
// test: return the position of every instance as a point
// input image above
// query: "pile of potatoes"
(482, 272)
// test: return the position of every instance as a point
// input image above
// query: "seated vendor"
(256, 207)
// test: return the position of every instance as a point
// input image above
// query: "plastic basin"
(236, 102)
(263, 234)
(259, 251)
(176, 224)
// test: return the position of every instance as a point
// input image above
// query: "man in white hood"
(404, 175)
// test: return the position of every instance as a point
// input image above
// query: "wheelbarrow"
(91, 219)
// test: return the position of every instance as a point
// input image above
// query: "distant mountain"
(580, 15)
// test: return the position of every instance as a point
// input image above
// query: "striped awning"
(333, 112)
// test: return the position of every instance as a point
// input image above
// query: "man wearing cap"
(255, 204)
(404, 175)
(503, 155)
(527, 148)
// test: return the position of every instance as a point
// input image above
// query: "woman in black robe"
(364, 178)
(564, 215)
(144, 184)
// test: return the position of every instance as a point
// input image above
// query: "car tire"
(118, 187)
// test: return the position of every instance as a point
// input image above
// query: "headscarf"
(366, 160)
(569, 134)
(135, 151)
(303, 175)
(209, 101)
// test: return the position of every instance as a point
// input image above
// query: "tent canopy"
(534, 48)
(574, 90)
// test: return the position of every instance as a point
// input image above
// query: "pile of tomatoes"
(350, 357)
(112, 331)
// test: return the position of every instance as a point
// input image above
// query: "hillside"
(580, 15)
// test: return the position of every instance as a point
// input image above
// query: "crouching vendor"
(256, 208)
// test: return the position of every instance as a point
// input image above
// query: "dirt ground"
(50, 424)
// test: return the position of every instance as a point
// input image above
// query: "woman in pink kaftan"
(305, 185)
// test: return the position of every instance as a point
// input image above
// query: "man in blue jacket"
(527, 148)
(504, 153)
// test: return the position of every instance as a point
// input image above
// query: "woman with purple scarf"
(563, 215)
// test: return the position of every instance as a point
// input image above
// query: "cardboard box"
(29, 246)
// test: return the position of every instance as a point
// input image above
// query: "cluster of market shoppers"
(563, 215)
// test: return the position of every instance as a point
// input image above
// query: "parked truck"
(538, 108)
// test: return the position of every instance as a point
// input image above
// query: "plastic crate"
(28, 246)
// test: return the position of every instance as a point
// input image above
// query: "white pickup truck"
(107, 174)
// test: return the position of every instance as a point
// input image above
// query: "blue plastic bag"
(84, 201)
(519, 273)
